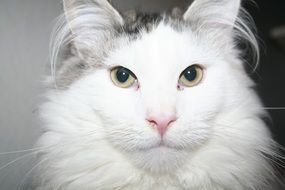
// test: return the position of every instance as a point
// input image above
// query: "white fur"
(97, 136)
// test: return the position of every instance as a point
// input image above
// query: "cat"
(153, 101)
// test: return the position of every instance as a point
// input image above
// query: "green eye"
(122, 77)
(191, 76)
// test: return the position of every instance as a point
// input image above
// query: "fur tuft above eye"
(123, 77)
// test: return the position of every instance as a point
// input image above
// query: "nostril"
(153, 122)
(171, 120)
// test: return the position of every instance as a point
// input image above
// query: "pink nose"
(161, 123)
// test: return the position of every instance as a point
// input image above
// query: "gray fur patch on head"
(72, 69)
(177, 13)
(72, 65)
(135, 22)
(69, 68)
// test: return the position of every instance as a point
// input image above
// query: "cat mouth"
(157, 145)
(166, 144)
(161, 145)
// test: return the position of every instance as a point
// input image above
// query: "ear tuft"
(90, 25)
(75, 8)
(224, 22)
(221, 13)
(90, 20)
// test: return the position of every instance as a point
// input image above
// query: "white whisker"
(21, 151)
(17, 159)
(274, 108)
(29, 172)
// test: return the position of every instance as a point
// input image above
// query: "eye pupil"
(190, 74)
(122, 75)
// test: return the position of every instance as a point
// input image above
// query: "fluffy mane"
(99, 135)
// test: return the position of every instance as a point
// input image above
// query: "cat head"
(157, 83)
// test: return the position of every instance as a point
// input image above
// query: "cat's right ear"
(90, 21)
(217, 16)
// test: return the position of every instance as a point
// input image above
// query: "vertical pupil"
(122, 75)
(190, 74)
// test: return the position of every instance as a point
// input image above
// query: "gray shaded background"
(25, 26)
(24, 32)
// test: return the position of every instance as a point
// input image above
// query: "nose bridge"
(160, 101)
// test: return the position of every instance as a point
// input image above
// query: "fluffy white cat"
(147, 101)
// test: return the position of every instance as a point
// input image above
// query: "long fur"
(96, 134)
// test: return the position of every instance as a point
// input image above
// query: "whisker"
(17, 159)
(276, 161)
(21, 151)
(89, 133)
(274, 155)
(22, 184)
(274, 108)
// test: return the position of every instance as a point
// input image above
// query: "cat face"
(158, 119)
(157, 68)
(157, 65)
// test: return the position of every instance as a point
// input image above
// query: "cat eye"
(191, 76)
(122, 77)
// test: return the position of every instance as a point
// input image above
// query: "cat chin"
(159, 160)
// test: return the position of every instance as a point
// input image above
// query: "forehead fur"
(164, 46)
(135, 22)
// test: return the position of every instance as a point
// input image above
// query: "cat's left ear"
(215, 15)
(91, 23)
(100, 8)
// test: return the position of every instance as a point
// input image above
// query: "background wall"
(270, 77)
(25, 26)
(24, 32)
